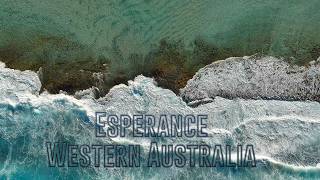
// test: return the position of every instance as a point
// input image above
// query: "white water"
(285, 134)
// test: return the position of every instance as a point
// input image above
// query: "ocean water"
(29, 120)
(84, 35)
(247, 26)
(122, 39)
(25, 128)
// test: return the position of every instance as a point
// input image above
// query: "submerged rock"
(254, 77)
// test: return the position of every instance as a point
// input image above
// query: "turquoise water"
(25, 129)
(245, 26)
(125, 34)
(123, 38)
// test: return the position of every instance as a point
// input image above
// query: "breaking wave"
(285, 133)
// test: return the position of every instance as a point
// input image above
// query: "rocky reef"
(79, 44)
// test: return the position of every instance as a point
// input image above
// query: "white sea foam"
(283, 131)
(254, 77)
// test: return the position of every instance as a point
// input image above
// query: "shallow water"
(74, 39)
(246, 26)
